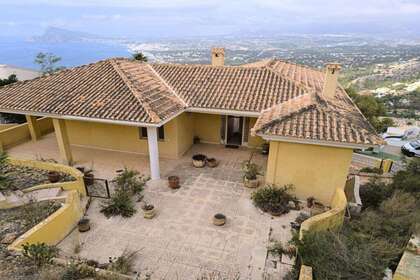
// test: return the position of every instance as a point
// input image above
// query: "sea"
(22, 53)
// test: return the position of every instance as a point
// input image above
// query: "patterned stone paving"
(181, 242)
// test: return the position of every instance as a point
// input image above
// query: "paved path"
(181, 242)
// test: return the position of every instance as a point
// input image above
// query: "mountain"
(60, 35)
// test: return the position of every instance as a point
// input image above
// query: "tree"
(10, 80)
(11, 118)
(47, 62)
(371, 107)
(140, 57)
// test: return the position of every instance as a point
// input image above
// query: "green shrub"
(408, 180)
(373, 193)
(375, 170)
(120, 203)
(251, 170)
(4, 180)
(39, 253)
(393, 222)
(273, 199)
(130, 180)
(76, 272)
(338, 256)
(124, 263)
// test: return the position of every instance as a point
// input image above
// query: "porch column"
(63, 141)
(33, 126)
(152, 140)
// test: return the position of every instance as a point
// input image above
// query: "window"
(161, 132)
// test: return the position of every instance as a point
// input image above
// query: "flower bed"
(22, 177)
(13, 223)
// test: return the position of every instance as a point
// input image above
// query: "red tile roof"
(287, 96)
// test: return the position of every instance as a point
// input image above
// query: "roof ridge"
(167, 85)
(272, 60)
(313, 98)
(152, 114)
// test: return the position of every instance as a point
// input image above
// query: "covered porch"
(105, 163)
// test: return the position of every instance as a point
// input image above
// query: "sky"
(180, 18)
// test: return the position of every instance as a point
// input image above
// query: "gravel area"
(15, 222)
(20, 177)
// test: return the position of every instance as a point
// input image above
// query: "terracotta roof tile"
(114, 89)
(288, 96)
(232, 88)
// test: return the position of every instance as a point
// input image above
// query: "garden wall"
(78, 184)
(17, 134)
(53, 229)
(330, 220)
(305, 273)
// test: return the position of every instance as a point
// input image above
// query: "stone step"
(44, 194)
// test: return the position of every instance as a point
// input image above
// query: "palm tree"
(140, 57)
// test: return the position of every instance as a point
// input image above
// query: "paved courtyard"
(181, 242)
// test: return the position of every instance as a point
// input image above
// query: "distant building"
(21, 73)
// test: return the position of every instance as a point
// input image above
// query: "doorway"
(234, 130)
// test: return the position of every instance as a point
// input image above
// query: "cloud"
(127, 17)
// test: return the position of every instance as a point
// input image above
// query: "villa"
(159, 110)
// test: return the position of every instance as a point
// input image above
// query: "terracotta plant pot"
(89, 179)
(212, 162)
(149, 211)
(83, 225)
(219, 219)
(53, 176)
(173, 182)
(199, 160)
(251, 183)
(310, 202)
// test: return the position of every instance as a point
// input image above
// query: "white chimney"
(330, 83)
(217, 56)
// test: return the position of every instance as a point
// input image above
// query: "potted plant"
(310, 201)
(212, 162)
(199, 160)
(251, 172)
(83, 225)
(219, 219)
(89, 178)
(53, 176)
(173, 182)
(149, 211)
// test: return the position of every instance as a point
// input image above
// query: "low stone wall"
(409, 265)
(53, 229)
(19, 133)
(4, 126)
(305, 273)
(78, 184)
(330, 220)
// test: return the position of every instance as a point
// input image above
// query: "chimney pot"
(217, 56)
(330, 81)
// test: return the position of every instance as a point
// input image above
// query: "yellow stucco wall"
(53, 229)
(185, 132)
(120, 138)
(313, 170)
(330, 220)
(207, 127)
(17, 134)
(254, 141)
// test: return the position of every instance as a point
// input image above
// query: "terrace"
(180, 242)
